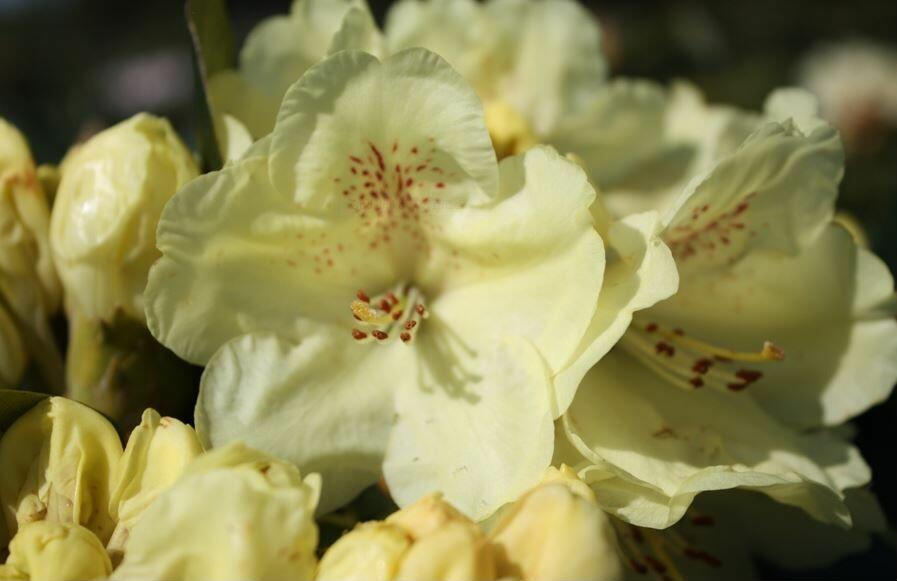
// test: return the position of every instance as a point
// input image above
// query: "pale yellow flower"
(781, 326)
(372, 293)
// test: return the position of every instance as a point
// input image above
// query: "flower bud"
(235, 514)
(372, 551)
(57, 462)
(556, 531)
(427, 540)
(158, 451)
(110, 197)
(55, 551)
(28, 283)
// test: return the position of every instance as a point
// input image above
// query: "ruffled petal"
(325, 404)
(653, 447)
(776, 192)
(476, 426)
(401, 130)
(820, 307)
(640, 273)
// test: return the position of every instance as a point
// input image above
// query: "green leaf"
(14, 403)
(213, 51)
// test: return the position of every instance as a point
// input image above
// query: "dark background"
(71, 67)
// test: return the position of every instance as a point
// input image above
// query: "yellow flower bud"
(235, 514)
(57, 462)
(427, 540)
(456, 550)
(556, 531)
(372, 551)
(53, 551)
(110, 197)
(28, 283)
(158, 451)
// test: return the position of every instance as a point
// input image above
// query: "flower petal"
(640, 273)
(819, 308)
(457, 30)
(536, 248)
(411, 118)
(666, 445)
(325, 404)
(559, 64)
(280, 49)
(240, 257)
(476, 426)
(776, 192)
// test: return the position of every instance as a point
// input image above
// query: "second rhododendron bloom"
(371, 292)
(781, 324)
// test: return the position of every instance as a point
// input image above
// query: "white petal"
(666, 445)
(819, 307)
(239, 257)
(536, 249)
(359, 31)
(559, 64)
(775, 193)
(410, 118)
(325, 404)
(477, 426)
(280, 49)
(640, 273)
(457, 30)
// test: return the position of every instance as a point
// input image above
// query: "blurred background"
(71, 67)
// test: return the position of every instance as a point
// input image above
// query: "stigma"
(395, 313)
(691, 363)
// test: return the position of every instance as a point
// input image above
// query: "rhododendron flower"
(371, 291)
(780, 322)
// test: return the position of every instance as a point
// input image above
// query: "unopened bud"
(55, 551)
(57, 462)
(110, 197)
(556, 531)
(156, 455)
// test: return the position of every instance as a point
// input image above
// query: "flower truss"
(465, 308)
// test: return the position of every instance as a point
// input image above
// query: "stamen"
(692, 363)
(769, 352)
(387, 311)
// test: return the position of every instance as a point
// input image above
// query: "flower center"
(691, 363)
(509, 130)
(396, 312)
